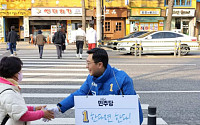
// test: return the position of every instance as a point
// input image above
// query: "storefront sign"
(26, 27)
(161, 24)
(116, 12)
(15, 13)
(182, 12)
(145, 12)
(106, 110)
(56, 12)
(1, 27)
(53, 31)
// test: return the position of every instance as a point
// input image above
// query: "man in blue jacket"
(102, 80)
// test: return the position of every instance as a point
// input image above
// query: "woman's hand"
(40, 107)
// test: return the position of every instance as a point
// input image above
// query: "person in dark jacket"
(59, 40)
(12, 39)
(40, 41)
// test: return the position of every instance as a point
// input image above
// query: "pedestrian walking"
(13, 110)
(12, 39)
(40, 41)
(64, 44)
(79, 38)
(59, 40)
(91, 37)
(102, 80)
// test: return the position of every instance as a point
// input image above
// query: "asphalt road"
(169, 83)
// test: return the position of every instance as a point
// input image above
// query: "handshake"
(50, 113)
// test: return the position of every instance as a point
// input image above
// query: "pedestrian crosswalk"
(49, 80)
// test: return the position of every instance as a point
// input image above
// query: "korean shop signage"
(56, 12)
(15, 13)
(182, 12)
(113, 12)
(145, 12)
(1, 27)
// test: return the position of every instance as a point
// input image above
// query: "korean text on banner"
(107, 110)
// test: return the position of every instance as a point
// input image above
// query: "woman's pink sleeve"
(32, 115)
(30, 108)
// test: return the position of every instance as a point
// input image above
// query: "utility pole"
(169, 15)
(102, 12)
(98, 19)
(83, 19)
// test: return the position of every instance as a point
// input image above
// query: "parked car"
(113, 45)
(159, 41)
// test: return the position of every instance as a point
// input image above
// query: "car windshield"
(143, 35)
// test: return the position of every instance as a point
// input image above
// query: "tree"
(169, 15)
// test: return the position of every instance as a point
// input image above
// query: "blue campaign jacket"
(104, 85)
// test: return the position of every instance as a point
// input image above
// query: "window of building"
(118, 26)
(107, 27)
(179, 2)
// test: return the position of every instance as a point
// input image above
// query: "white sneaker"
(77, 56)
(80, 56)
(11, 55)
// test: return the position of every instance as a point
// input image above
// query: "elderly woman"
(13, 110)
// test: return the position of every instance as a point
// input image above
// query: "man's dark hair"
(91, 25)
(79, 25)
(9, 66)
(99, 55)
(12, 27)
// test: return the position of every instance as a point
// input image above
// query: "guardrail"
(177, 47)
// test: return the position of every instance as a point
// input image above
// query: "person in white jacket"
(13, 110)
(79, 38)
(91, 37)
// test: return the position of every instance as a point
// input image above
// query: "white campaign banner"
(107, 110)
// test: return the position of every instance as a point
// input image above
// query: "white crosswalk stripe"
(53, 71)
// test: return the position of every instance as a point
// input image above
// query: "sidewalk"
(26, 45)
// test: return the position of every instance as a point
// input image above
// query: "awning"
(57, 18)
(147, 19)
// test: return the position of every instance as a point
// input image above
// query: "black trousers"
(79, 47)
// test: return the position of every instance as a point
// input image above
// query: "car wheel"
(185, 49)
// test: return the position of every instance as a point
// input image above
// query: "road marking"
(55, 74)
(158, 64)
(59, 60)
(49, 95)
(83, 62)
(144, 106)
(51, 80)
(149, 92)
(54, 65)
(50, 86)
(45, 95)
(46, 58)
(43, 69)
(68, 121)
